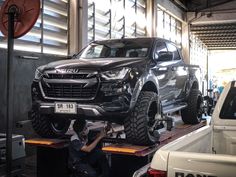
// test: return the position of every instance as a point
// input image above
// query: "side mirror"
(165, 56)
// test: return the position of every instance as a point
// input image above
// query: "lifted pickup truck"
(206, 152)
(127, 81)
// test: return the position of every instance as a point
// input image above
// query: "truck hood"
(98, 64)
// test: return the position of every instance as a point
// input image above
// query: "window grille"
(168, 27)
(116, 19)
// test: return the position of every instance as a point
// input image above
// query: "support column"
(185, 42)
(78, 27)
(151, 18)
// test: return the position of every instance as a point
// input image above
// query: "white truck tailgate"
(185, 164)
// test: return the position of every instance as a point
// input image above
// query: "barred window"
(116, 18)
(49, 34)
(169, 27)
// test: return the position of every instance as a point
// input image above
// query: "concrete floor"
(30, 166)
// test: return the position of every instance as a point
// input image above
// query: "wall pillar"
(78, 25)
(186, 42)
(151, 18)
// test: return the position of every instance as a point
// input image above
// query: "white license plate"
(66, 108)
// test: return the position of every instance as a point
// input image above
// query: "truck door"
(180, 72)
(163, 71)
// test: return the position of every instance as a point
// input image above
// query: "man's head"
(80, 126)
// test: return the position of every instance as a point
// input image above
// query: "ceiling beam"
(214, 31)
(221, 48)
(222, 44)
(215, 41)
(180, 4)
(215, 26)
(217, 38)
(233, 34)
(210, 46)
(208, 5)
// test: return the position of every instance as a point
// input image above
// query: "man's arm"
(90, 147)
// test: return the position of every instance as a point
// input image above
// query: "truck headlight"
(117, 74)
(38, 74)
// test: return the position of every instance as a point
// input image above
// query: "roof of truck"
(137, 38)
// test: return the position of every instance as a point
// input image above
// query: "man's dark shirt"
(75, 154)
(93, 163)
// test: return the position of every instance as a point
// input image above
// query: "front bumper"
(90, 111)
(82, 109)
(111, 101)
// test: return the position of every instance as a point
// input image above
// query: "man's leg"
(103, 162)
(85, 170)
(98, 158)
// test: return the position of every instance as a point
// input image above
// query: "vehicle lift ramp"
(124, 159)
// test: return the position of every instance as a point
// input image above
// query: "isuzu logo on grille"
(72, 71)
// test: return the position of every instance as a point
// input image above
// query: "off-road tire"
(192, 114)
(44, 127)
(137, 123)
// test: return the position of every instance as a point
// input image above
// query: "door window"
(161, 53)
(228, 110)
(174, 50)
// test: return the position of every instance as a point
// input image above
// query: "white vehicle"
(207, 152)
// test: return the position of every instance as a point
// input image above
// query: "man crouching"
(86, 159)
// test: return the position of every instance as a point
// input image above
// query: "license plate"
(66, 108)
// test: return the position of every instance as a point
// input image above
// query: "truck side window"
(160, 50)
(228, 110)
(174, 50)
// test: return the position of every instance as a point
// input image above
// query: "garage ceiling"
(200, 5)
(216, 35)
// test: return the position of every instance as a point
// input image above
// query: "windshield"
(125, 48)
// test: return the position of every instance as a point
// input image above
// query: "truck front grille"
(67, 76)
(74, 91)
(82, 85)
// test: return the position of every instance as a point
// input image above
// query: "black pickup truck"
(130, 81)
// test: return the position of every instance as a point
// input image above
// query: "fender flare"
(191, 85)
(139, 86)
